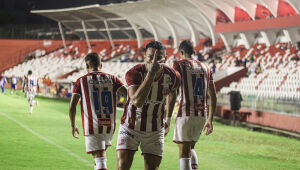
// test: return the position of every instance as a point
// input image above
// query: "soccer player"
(98, 93)
(14, 81)
(2, 82)
(30, 85)
(196, 85)
(142, 123)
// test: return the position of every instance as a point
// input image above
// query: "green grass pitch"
(44, 141)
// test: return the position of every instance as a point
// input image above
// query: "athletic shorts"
(14, 86)
(97, 142)
(30, 95)
(149, 142)
(188, 129)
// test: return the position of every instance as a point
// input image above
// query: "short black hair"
(187, 47)
(156, 45)
(93, 60)
(29, 72)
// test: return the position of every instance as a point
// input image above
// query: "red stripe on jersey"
(88, 104)
(144, 114)
(186, 92)
(144, 117)
(195, 97)
(181, 92)
(133, 117)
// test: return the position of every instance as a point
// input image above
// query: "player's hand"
(74, 131)
(155, 66)
(208, 126)
(167, 125)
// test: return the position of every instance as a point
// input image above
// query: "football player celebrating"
(98, 94)
(142, 123)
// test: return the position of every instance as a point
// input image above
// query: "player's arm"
(139, 94)
(72, 113)
(212, 107)
(213, 100)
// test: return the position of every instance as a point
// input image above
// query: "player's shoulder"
(138, 67)
(103, 74)
(183, 62)
(170, 70)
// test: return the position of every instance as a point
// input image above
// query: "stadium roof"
(155, 18)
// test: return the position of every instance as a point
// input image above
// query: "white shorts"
(188, 129)
(97, 142)
(149, 142)
(30, 95)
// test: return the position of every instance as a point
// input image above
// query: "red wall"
(275, 120)
(282, 22)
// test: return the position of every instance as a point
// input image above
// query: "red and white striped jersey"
(31, 83)
(150, 116)
(193, 87)
(98, 102)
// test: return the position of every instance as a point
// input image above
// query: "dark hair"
(187, 47)
(156, 45)
(93, 60)
(29, 72)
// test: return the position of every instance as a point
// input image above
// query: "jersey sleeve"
(176, 67)
(117, 84)
(133, 78)
(77, 87)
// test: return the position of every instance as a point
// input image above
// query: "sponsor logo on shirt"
(104, 121)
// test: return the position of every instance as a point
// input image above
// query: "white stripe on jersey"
(86, 116)
(190, 88)
(95, 119)
(151, 107)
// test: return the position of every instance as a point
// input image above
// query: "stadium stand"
(279, 77)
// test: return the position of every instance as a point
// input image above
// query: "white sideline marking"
(48, 140)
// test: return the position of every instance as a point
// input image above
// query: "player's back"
(194, 87)
(98, 105)
(14, 80)
(31, 83)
